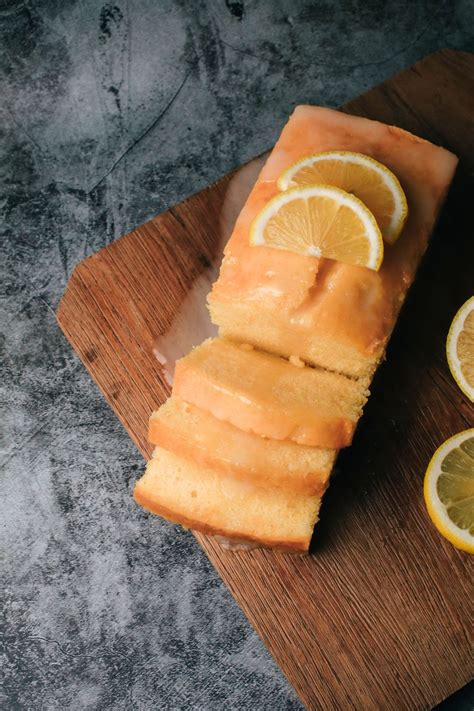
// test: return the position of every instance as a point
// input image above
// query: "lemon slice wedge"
(460, 348)
(320, 221)
(370, 181)
(449, 490)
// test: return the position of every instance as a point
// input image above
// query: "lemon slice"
(364, 177)
(449, 490)
(320, 221)
(460, 348)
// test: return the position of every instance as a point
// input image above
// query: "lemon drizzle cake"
(332, 315)
(328, 313)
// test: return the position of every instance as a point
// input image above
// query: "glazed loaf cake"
(329, 314)
(249, 438)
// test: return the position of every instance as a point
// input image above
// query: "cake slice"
(193, 433)
(199, 497)
(269, 396)
(329, 314)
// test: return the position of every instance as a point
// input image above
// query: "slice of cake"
(199, 497)
(329, 314)
(193, 433)
(269, 396)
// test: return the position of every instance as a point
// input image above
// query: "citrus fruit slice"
(460, 348)
(320, 221)
(364, 177)
(449, 490)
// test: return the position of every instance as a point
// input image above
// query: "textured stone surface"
(111, 113)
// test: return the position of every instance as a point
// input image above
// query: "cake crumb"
(296, 360)
(246, 347)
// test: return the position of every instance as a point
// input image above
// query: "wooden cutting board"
(378, 616)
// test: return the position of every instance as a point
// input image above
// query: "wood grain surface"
(379, 615)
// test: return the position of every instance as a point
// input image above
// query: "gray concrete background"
(111, 112)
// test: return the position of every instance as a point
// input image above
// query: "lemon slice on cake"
(449, 490)
(370, 181)
(460, 348)
(320, 221)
